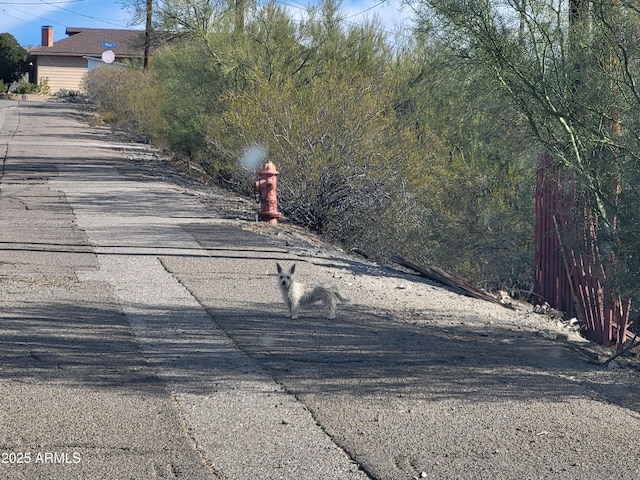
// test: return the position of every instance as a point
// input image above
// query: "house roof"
(94, 41)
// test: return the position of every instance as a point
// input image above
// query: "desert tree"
(570, 70)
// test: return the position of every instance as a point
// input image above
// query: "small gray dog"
(296, 294)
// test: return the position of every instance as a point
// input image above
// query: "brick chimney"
(47, 36)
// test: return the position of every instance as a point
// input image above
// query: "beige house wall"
(67, 73)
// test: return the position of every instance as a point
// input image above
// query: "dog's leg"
(293, 310)
(331, 306)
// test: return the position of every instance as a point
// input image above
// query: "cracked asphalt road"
(142, 336)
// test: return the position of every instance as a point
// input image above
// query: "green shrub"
(27, 88)
(69, 94)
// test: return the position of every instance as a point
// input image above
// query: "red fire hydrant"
(266, 187)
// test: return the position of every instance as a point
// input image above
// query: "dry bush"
(128, 100)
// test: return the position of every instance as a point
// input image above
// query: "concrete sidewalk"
(142, 336)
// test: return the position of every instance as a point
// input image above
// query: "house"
(65, 63)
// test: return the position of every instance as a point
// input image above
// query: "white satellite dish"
(108, 56)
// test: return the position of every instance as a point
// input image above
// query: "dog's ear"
(279, 267)
(293, 268)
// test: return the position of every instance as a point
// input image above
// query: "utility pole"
(147, 36)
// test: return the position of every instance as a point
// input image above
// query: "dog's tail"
(336, 292)
(345, 300)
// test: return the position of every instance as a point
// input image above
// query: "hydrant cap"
(269, 169)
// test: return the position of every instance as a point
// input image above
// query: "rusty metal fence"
(568, 270)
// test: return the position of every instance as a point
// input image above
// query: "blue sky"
(24, 18)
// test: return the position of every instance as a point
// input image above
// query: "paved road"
(141, 336)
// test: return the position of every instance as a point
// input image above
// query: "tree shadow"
(80, 345)
(366, 352)
(363, 352)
